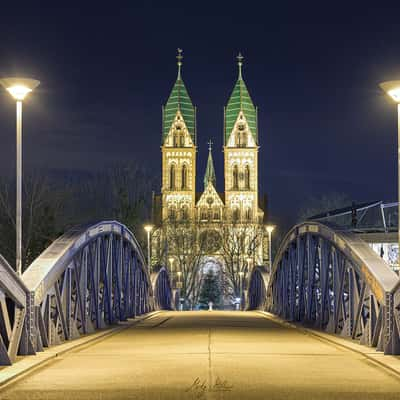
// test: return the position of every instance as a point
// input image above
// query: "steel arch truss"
(89, 278)
(333, 281)
(13, 294)
(162, 290)
(257, 290)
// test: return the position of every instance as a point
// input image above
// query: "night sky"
(313, 71)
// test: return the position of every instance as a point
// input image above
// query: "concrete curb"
(30, 364)
(390, 363)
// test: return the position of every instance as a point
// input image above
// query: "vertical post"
(18, 221)
(241, 291)
(270, 250)
(398, 180)
(148, 251)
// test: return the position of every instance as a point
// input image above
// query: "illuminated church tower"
(178, 153)
(241, 155)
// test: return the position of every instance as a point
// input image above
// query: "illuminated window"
(248, 214)
(172, 177)
(185, 213)
(235, 174)
(236, 215)
(182, 140)
(203, 214)
(247, 177)
(184, 177)
(216, 214)
(172, 213)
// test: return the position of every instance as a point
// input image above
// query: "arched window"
(182, 140)
(235, 177)
(243, 140)
(247, 177)
(216, 214)
(248, 214)
(235, 215)
(203, 214)
(172, 213)
(175, 140)
(184, 177)
(172, 177)
(185, 213)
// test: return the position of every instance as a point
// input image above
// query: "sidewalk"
(390, 363)
(28, 364)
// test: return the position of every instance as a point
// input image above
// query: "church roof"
(240, 100)
(210, 171)
(179, 100)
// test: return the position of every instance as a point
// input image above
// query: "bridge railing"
(89, 278)
(332, 280)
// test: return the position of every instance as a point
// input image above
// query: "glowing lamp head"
(19, 88)
(179, 273)
(148, 228)
(392, 88)
(270, 228)
(171, 260)
(241, 273)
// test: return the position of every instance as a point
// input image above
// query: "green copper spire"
(240, 100)
(179, 100)
(210, 171)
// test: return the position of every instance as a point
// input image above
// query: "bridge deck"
(182, 355)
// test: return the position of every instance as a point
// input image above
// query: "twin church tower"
(239, 202)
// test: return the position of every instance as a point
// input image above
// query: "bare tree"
(187, 246)
(42, 207)
(240, 242)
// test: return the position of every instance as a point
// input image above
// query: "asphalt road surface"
(208, 355)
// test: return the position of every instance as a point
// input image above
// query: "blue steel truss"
(89, 278)
(332, 280)
(13, 295)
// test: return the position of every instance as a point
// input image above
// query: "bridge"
(97, 323)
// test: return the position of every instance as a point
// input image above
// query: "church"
(198, 230)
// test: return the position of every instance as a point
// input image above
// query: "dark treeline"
(53, 202)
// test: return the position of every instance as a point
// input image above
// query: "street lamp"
(148, 228)
(19, 88)
(249, 259)
(241, 275)
(392, 89)
(270, 229)
(171, 263)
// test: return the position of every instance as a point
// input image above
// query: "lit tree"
(239, 243)
(187, 247)
(210, 290)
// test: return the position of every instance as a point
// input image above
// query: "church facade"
(227, 227)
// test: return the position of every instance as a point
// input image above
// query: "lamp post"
(19, 88)
(249, 263)
(241, 274)
(148, 229)
(270, 229)
(171, 263)
(181, 299)
(392, 89)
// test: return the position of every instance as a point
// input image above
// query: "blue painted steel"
(89, 278)
(332, 280)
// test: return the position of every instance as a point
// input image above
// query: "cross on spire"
(210, 143)
(179, 57)
(240, 63)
